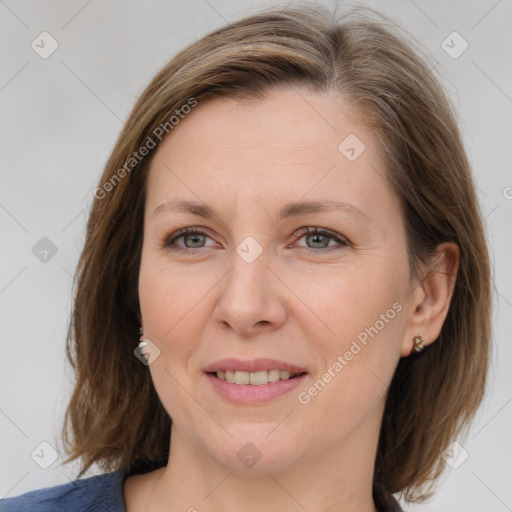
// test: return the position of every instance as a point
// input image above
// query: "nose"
(251, 298)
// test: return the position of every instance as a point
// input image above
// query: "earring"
(147, 348)
(142, 343)
(418, 344)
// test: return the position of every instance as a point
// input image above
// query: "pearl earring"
(142, 343)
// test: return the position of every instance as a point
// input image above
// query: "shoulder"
(100, 492)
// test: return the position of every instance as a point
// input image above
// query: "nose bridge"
(247, 297)
(248, 279)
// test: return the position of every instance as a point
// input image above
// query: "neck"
(338, 478)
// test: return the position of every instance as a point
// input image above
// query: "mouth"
(253, 382)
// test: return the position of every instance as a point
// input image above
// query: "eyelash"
(169, 241)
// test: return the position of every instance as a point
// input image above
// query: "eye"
(193, 238)
(320, 239)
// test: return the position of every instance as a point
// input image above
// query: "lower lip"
(249, 394)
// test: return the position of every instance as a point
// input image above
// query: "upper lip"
(255, 365)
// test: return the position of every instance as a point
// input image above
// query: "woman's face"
(249, 291)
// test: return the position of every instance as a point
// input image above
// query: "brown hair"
(115, 416)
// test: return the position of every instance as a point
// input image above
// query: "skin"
(246, 160)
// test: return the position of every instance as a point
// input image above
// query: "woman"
(289, 221)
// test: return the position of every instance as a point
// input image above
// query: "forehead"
(292, 144)
(289, 120)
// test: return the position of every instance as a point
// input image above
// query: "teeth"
(254, 378)
(273, 375)
(242, 377)
(258, 378)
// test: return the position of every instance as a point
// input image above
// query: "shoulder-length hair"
(114, 416)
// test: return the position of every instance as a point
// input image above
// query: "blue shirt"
(105, 493)
(96, 493)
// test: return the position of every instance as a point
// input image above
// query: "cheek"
(166, 302)
(359, 354)
(170, 305)
(166, 293)
(359, 337)
(346, 301)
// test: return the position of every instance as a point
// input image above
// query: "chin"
(256, 453)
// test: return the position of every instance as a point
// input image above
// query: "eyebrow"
(289, 210)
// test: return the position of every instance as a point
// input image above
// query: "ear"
(430, 296)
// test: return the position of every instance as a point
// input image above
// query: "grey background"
(60, 117)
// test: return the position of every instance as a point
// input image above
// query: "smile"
(253, 382)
